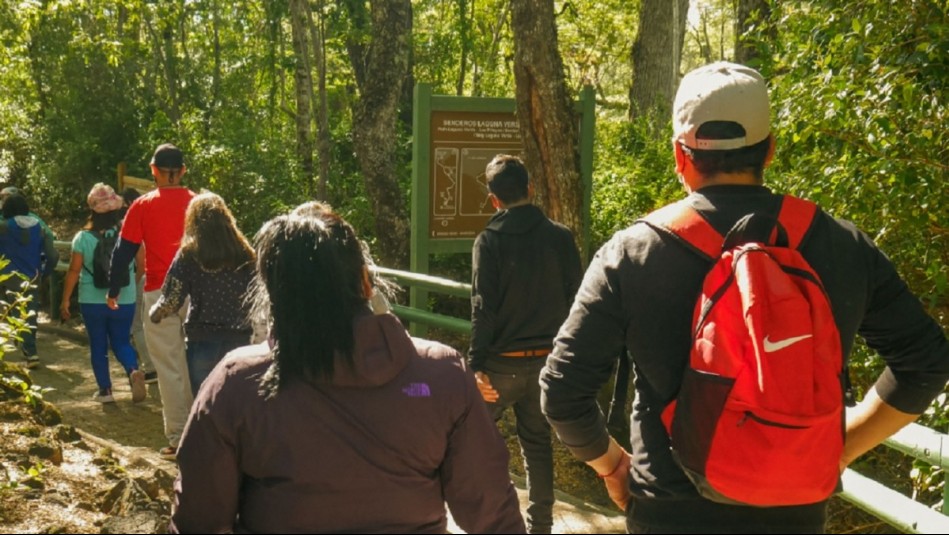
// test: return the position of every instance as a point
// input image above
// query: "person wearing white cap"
(157, 220)
(105, 327)
(639, 293)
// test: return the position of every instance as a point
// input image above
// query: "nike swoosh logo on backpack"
(771, 347)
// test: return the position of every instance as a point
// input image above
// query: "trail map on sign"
(462, 145)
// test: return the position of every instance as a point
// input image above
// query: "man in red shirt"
(156, 220)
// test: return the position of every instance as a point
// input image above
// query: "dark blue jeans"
(516, 380)
(203, 356)
(109, 328)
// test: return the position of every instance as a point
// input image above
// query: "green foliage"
(860, 98)
(860, 93)
(445, 31)
(14, 382)
(634, 174)
(595, 42)
(710, 34)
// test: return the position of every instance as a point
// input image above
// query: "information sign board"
(462, 144)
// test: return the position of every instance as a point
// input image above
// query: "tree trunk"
(464, 26)
(491, 57)
(324, 144)
(548, 126)
(171, 72)
(274, 23)
(215, 96)
(656, 54)
(749, 15)
(382, 67)
(303, 85)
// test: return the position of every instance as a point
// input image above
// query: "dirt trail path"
(65, 368)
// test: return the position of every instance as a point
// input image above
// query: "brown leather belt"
(527, 353)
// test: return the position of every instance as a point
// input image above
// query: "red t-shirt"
(156, 220)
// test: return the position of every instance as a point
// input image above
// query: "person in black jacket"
(639, 293)
(525, 272)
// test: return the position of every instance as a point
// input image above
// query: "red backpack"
(758, 419)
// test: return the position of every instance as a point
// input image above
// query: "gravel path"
(65, 368)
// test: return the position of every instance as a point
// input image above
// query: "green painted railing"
(921, 443)
(898, 510)
(428, 283)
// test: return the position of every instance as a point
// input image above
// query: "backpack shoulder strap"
(97, 237)
(688, 225)
(797, 217)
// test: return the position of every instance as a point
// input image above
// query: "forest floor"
(73, 465)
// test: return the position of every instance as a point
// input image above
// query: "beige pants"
(138, 329)
(166, 347)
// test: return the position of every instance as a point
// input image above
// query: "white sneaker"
(137, 380)
(32, 361)
(104, 395)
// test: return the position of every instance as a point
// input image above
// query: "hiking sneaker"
(151, 377)
(32, 361)
(137, 381)
(104, 395)
(168, 453)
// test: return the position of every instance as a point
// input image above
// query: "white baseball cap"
(721, 91)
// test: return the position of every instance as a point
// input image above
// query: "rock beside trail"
(137, 522)
(57, 479)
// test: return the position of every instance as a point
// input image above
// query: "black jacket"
(639, 293)
(525, 273)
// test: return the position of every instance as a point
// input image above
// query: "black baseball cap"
(168, 156)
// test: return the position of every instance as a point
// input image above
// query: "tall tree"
(548, 126)
(749, 14)
(215, 92)
(303, 84)
(464, 27)
(494, 29)
(162, 31)
(656, 53)
(323, 140)
(381, 66)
